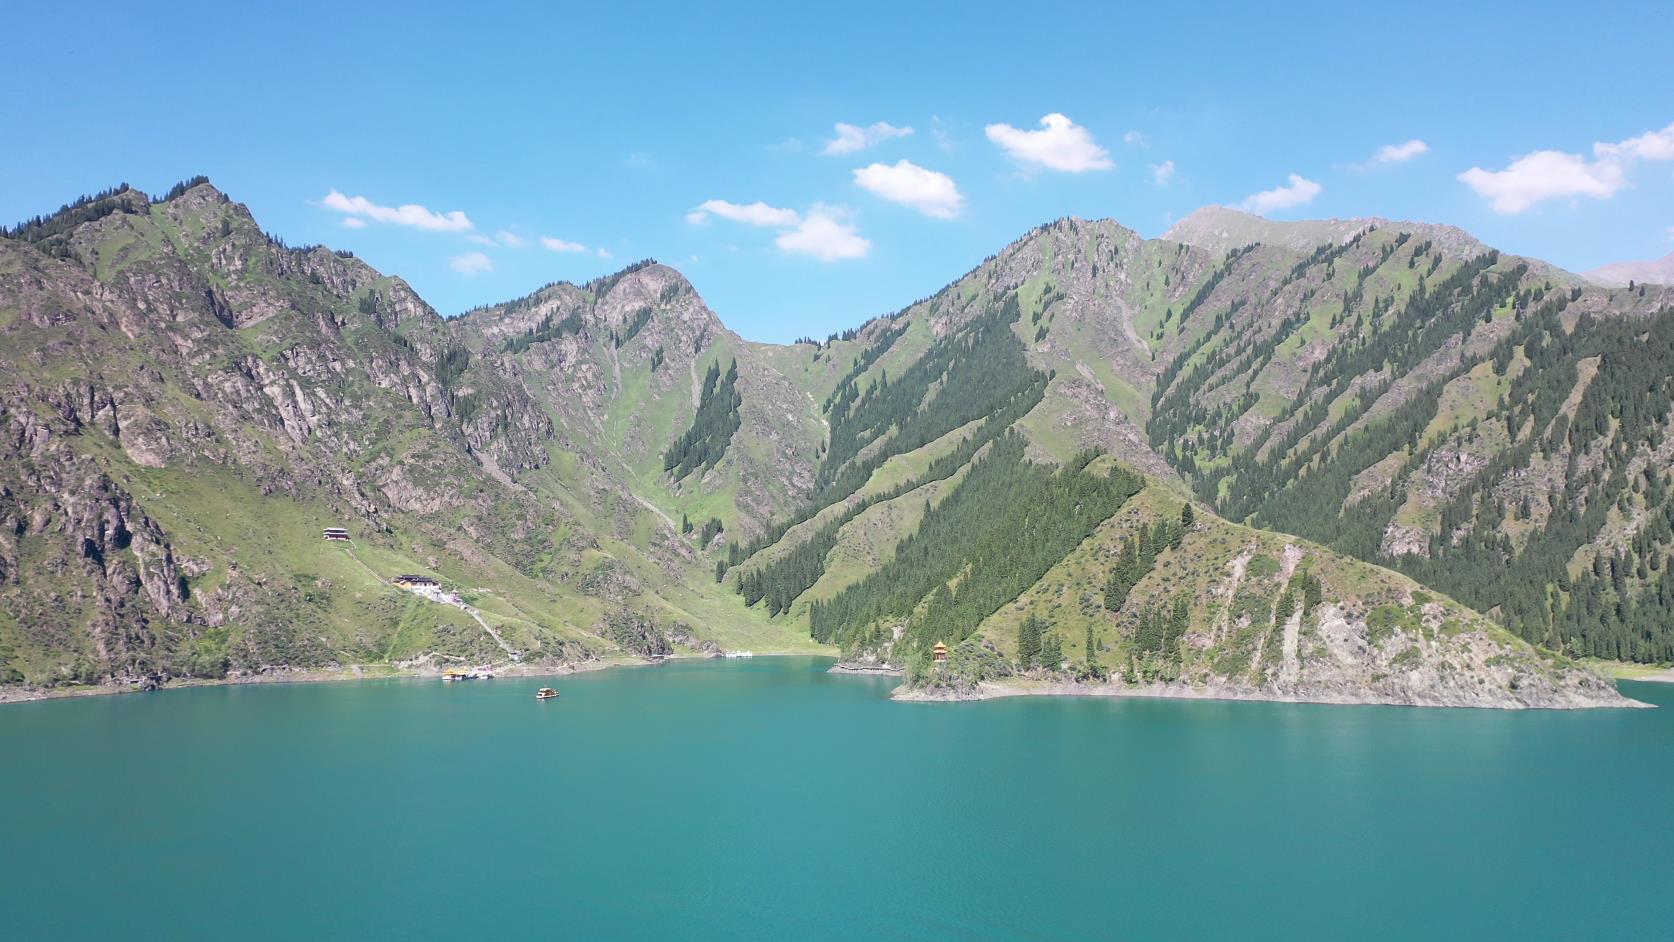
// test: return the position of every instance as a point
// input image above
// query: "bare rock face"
(1405, 541)
(1429, 666)
(84, 530)
(620, 362)
(176, 338)
(1266, 618)
(152, 347)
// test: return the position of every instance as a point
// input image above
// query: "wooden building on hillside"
(939, 652)
(414, 582)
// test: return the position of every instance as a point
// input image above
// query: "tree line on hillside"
(887, 418)
(546, 329)
(996, 534)
(1622, 604)
(781, 580)
(1139, 554)
(1502, 546)
(702, 445)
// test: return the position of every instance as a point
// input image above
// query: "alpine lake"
(769, 799)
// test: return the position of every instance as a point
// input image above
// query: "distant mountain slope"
(1228, 611)
(1397, 391)
(604, 469)
(1220, 229)
(1059, 328)
(1620, 274)
(620, 364)
(187, 403)
(1491, 426)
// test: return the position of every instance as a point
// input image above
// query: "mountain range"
(1361, 460)
(1619, 274)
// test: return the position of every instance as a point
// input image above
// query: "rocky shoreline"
(863, 668)
(993, 690)
(985, 690)
(21, 694)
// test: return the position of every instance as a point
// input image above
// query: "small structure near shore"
(939, 652)
(460, 673)
(336, 535)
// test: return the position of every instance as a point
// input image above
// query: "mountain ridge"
(1616, 274)
(596, 467)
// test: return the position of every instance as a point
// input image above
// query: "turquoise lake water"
(769, 800)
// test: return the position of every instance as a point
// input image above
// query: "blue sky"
(608, 128)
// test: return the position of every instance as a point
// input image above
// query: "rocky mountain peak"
(1617, 274)
(1221, 228)
(620, 304)
(194, 193)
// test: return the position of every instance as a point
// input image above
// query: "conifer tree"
(1028, 642)
(1052, 651)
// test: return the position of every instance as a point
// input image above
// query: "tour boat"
(545, 693)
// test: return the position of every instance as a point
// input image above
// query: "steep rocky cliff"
(1260, 616)
(188, 402)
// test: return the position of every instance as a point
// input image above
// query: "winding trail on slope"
(470, 610)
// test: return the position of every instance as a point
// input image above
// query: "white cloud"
(471, 263)
(1162, 173)
(605, 253)
(851, 138)
(477, 238)
(1136, 139)
(931, 193)
(1652, 145)
(353, 222)
(823, 232)
(753, 214)
(1298, 192)
(1061, 144)
(1544, 175)
(825, 235)
(559, 245)
(410, 214)
(1552, 174)
(1399, 153)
